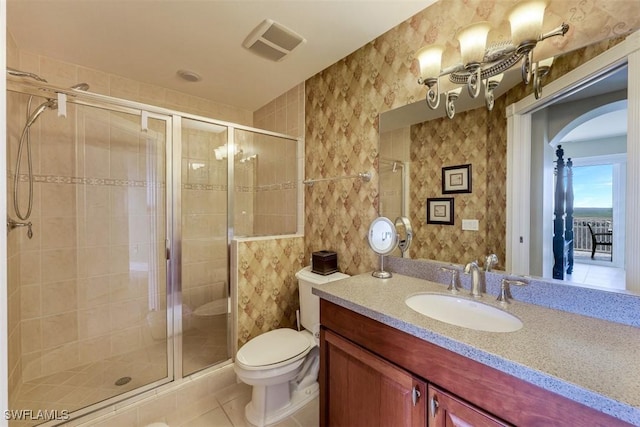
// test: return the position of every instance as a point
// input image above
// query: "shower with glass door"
(87, 228)
(119, 220)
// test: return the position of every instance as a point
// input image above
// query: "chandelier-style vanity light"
(487, 64)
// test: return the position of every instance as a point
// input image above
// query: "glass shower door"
(122, 211)
(205, 230)
(93, 277)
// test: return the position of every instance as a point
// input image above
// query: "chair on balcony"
(602, 239)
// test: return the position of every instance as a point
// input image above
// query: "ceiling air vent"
(272, 40)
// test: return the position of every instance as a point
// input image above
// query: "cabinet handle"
(415, 395)
(433, 405)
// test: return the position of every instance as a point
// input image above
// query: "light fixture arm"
(527, 67)
(452, 96)
(433, 93)
(474, 82)
(489, 97)
(538, 75)
(559, 31)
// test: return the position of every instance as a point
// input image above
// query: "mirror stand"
(381, 274)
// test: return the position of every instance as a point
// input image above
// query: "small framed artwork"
(440, 211)
(456, 179)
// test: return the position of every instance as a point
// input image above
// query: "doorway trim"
(618, 162)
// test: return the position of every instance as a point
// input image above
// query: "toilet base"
(299, 398)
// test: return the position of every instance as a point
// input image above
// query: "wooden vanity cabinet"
(369, 371)
(365, 390)
(446, 410)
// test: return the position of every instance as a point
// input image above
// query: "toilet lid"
(273, 347)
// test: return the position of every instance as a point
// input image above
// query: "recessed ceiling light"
(189, 76)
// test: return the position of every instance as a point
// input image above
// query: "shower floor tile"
(87, 384)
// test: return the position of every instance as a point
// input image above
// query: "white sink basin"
(464, 312)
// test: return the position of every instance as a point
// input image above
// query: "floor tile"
(309, 415)
(214, 418)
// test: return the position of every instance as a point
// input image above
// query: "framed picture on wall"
(440, 210)
(456, 179)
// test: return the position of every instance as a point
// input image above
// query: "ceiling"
(613, 118)
(150, 41)
(606, 125)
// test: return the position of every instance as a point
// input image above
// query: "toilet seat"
(273, 349)
(212, 308)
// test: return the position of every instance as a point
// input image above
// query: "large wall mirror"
(512, 150)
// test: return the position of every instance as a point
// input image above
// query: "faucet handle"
(453, 286)
(505, 289)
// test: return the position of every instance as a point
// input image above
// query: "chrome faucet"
(490, 261)
(473, 269)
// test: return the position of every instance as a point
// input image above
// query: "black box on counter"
(324, 262)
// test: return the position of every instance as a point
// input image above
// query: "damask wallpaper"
(343, 103)
(267, 285)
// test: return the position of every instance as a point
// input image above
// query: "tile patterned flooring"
(598, 272)
(230, 411)
(84, 385)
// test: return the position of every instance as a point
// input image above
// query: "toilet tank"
(309, 303)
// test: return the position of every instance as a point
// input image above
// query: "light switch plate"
(470, 224)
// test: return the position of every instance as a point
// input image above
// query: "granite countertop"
(588, 360)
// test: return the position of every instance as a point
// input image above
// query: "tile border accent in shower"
(58, 179)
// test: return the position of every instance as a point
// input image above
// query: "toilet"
(282, 365)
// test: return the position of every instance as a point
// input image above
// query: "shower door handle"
(167, 248)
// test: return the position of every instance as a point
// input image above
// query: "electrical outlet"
(470, 224)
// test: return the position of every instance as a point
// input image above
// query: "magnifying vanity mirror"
(587, 118)
(383, 239)
(385, 236)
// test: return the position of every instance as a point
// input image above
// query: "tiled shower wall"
(342, 106)
(279, 200)
(13, 245)
(266, 185)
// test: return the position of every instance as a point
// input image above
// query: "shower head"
(50, 103)
(81, 86)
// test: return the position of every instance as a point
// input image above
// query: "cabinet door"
(445, 410)
(360, 389)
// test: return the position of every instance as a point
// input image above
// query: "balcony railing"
(582, 237)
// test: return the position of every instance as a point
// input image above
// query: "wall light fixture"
(487, 64)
